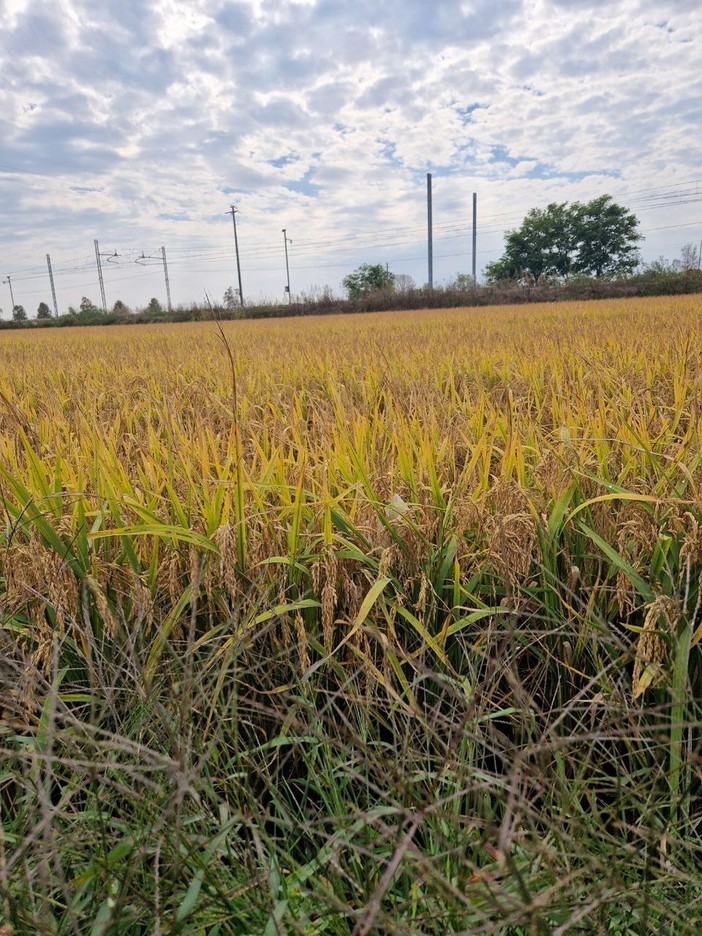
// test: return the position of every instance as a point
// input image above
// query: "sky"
(139, 124)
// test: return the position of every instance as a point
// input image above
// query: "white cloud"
(139, 123)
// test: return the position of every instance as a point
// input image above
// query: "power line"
(377, 236)
(203, 263)
(669, 227)
(203, 257)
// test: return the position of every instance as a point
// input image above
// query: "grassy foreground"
(365, 625)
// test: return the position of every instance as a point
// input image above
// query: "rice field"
(386, 623)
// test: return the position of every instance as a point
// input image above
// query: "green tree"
(506, 268)
(597, 238)
(606, 236)
(368, 278)
(43, 311)
(154, 306)
(120, 306)
(19, 314)
(87, 305)
(662, 267)
(541, 246)
(462, 283)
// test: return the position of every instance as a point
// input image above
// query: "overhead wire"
(201, 257)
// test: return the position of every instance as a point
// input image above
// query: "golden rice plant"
(504, 503)
(125, 470)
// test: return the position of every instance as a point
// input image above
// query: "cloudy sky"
(138, 123)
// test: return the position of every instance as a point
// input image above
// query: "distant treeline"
(648, 283)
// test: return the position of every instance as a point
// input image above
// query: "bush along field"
(363, 625)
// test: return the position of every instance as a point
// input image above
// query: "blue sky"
(138, 123)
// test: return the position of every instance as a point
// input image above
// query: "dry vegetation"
(380, 624)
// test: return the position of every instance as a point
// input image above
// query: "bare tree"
(404, 282)
(690, 256)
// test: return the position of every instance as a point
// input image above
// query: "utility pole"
(12, 295)
(165, 273)
(102, 282)
(53, 288)
(233, 212)
(475, 235)
(430, 241)
(143, 260)
(286, 241)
